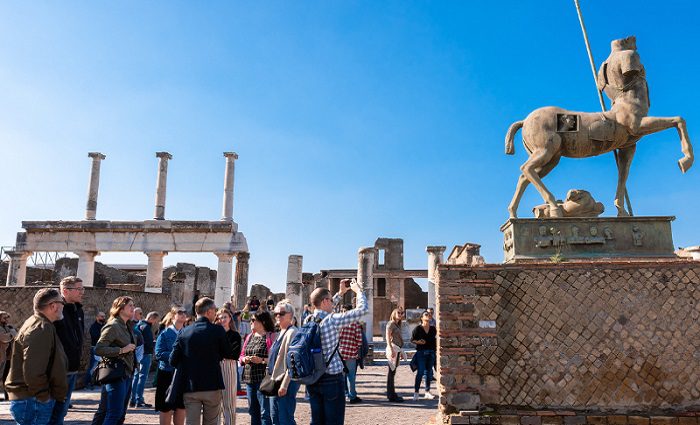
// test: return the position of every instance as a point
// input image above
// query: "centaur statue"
(550, 132)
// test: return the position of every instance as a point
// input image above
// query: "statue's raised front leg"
(652, 125)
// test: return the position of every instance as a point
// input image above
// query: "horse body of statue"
(550, 132)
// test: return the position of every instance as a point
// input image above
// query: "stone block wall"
(18, 302)
(608, 338)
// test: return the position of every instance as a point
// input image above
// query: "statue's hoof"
(556, 212)
(685, 163)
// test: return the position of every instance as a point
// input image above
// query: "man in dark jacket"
(145, 328)
(70, 331)
(197, 353)
(37, 378)
(95, 330)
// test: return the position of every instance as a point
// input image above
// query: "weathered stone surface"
(587, 238)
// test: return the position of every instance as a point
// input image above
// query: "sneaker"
(143, 405)
(132, 404)
(396, 399)
(428, 396)
(241, 393)
(355, 400)
(415, 396)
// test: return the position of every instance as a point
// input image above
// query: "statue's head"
(628, 43)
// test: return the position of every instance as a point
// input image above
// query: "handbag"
(174, 391)
(109, 370)
(269, 386)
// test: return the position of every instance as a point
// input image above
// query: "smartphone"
(347, 283)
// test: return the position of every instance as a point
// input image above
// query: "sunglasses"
(280, 314)
(76, 289)
(56, 302)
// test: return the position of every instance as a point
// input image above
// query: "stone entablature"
(612, 337)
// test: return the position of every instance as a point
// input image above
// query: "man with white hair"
(37, 378)
(284, 403)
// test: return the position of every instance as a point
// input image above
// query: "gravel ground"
(371, 387)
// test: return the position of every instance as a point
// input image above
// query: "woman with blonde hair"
(174, 321)
(116, 341)
(229, 366)
(394, 345)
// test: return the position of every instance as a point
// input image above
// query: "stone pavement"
(371, 386)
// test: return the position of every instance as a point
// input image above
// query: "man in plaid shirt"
(349, 343)
(327, 395)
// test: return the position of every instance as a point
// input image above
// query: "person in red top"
(349, 343)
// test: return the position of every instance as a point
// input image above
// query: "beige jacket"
(280, 369)
(39, 365)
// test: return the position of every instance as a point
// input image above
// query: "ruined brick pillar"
(434, 259)
(224, 278)
(240, 290)
(17, 269)
(161, 184)
(154, 271)
(227, 212)
(86, 267)
(93, 186)
(365, 278)
(294, 284)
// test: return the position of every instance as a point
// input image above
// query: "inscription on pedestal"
(581, 238)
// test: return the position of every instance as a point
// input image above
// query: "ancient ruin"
(155, 238)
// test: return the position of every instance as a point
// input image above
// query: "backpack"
(304, 359)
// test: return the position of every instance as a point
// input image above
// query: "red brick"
(597, 420)
(637, 420)
(664, 420)
(687, 420)
(617, 420)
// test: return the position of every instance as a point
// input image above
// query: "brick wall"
(18, 302)
(609, 337)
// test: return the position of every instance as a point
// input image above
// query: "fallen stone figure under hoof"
(550, 133)
(578, 203)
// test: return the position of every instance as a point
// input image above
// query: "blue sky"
(353, 120)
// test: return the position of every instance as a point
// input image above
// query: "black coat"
(196, 354)
(70, 331)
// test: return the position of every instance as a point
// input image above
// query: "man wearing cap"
(37, 378)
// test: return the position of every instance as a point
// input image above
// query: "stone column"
(434, 259)
(161, 184)
(227, 212)
(17, 269)
(154, 272)
(224, 278)
(86, 267)
(365, 278)
(294, 277)
(93, 186)
(240, 290)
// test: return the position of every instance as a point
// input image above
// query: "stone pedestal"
(434, 260)
(224, 278)
(154, 272)
(558, 239)
(161, 184)
(294, 285)
(17, 269)
(93, 186)
(227, 212)
(240, 290)
(86, 267)
(365, 278)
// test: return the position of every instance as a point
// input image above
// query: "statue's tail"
(510, 149)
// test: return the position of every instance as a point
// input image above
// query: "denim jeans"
(113, 401)
(87, 382)
(327, 400)
(258, 405)
(426, 359)
(60, 409)
(350, 378)
(140, 377)
(283, 408)
(31, 411)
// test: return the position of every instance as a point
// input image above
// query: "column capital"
(18, 255)
(164, 155)
(433, 249)
(156, 254)
(96, 155)
(231, 155)
(225, 256)
(87, 254)
(243, 256)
